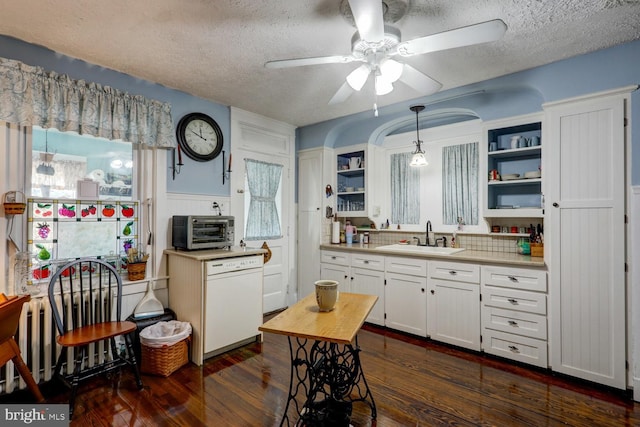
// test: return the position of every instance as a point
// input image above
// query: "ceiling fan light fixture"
(383, 86)
(358, 77)
(391, 69)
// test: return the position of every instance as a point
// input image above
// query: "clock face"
(199, 136)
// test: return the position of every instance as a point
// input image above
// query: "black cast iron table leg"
(330, 377)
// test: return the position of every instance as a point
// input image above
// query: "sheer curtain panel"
(460, 183)
(263, 219)
(31, 96)
(405, 190)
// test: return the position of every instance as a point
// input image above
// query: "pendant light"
(45, 167)
(418, 158)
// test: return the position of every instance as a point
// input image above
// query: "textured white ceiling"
(216, 49)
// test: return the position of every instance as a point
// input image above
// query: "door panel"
(586, 239)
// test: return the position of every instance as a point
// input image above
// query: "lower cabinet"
(514, 314)
(453, 303)
(405, 295)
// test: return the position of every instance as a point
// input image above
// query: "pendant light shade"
(418, 158)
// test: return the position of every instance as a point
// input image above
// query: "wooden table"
(325, 362)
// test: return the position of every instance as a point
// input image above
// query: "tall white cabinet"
(585, 248)
(310, 212)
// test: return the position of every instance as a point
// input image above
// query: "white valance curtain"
(460, 183)
(263, 220)
(405, 190)
(29, 96)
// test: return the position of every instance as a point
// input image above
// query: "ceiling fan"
(380, 49)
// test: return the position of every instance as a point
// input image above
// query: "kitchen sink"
(427, 250)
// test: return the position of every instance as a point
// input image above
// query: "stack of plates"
(510, 176)
(532, 174)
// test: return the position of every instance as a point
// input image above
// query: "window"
(405, 190)
(263, 195)
(61, 159)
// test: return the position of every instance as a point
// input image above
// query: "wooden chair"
(10, 309)
(86, 299)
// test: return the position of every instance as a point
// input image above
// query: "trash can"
(165, 347)
(142, 323)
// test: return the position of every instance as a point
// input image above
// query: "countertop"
(483, 257)
(209, 254)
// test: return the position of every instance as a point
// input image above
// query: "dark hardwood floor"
(414, 383)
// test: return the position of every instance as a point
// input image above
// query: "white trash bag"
(165, 333)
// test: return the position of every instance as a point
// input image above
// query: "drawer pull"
(514, 349)
(513, 279)
(366, 261)
(513, 323)
(333, 257)
(513, 301)
(453, 272)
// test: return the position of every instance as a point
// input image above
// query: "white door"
(585, 238)
(254, 137)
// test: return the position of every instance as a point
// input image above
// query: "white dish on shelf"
(510, 176)
(348, 189)
(360, 189)
(532, 174)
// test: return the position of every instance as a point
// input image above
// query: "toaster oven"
(192, 232)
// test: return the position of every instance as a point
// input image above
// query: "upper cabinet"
(351, 181)
(514, 168)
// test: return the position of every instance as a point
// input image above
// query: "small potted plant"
(136, 263)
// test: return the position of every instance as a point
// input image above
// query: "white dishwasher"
(233, 303)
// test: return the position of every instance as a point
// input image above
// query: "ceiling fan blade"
(465, 36)
(342, 94)
(298, 62)
(418, 81)
(369, 19)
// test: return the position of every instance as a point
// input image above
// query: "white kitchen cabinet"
(585, 240)
(310, 213)
(405, 295)
(514, 313)
(453, 303)
(336, 265)
(359, 273)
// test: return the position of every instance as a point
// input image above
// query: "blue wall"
(506, 96)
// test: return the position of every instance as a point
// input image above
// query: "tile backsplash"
(478, 242)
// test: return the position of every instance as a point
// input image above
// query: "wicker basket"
(137, 270)
(13, 206)
(165, 360)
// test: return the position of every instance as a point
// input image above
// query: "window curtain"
(405, 190)
(31, 96)
(460, 183)
(263, 220)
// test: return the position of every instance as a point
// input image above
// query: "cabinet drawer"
(460, 272)
(515, 347)
(335, 257)
(512, 299)
(515, 322)
(401, 265)
(371, 262)
(516, 278)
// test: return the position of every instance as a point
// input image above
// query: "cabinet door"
(370, 282)
(585, 238)
(454, 313)
(405, 299)
(339, 273)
